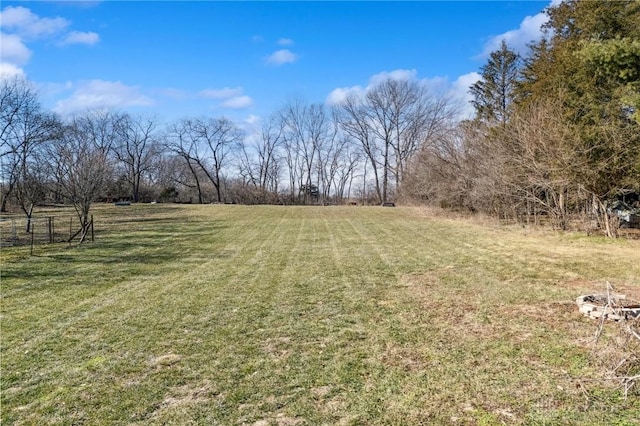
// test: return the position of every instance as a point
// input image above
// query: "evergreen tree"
(589, 59)
(494, 94)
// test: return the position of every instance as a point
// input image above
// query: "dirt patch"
(187, 395)
(280, 420)
(468, 319)
(546, 313)
(321, 391)
(335, 405)
(422, 280)
(192, 393)
(632, 292)
(405, 359)
(418, 287)
(583, 286)
(283, 420)
(165, 360)
(277, 348)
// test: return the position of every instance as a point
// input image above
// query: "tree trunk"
(605, 220)
(29, 213)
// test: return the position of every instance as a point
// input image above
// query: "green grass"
(307, 315)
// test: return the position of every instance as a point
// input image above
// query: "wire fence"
(35, 231)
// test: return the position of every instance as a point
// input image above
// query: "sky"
(244, 60)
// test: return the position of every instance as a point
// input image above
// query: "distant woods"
(556, 135)
(303, 153)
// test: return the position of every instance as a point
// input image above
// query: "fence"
(20, 231)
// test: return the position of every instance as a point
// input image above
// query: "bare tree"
(181, 142)
(537, 142)
(293, 160)
(299, 146)
(308, 134)
(136, 148)
(205, 143)
(24, 130)
(353, 117)
(344, 166)
(556, 169)
(18, 100)
(260, 159)
(171, 178)
(443, 172)
(32, 179)
(393, 120)
(80, 161)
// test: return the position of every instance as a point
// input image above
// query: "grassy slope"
(292, 315)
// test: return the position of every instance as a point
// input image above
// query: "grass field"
(276, 315)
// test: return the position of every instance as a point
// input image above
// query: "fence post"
(92, 239)
(50, 228)
(70, 229)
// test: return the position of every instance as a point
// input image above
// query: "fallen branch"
(613, 306)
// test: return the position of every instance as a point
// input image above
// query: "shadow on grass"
(142, 249)
(137, 219)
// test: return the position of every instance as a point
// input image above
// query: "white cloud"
(459, 91)
(238, 102)
(9, 70)
(172, 93)
(29, 25)
(224, 93)
(437, 85)
(341, 93)
(338, 95)
(251, 127)
(398, 75)
(280, 57)
(54, 89)
(530, 30)
(97, 94)
(257, 39)
(230, 97)
(465, 81)
(20, 26)
(13, 50)
(81, 37)
(252, 119)
(285, 42)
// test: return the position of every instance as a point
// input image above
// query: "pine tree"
(494, 94)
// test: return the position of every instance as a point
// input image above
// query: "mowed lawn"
(274, 315)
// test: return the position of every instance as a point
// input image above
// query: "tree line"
(555, 135)
(557, 130)
(303, 153)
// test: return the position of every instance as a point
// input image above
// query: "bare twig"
(603, 318)
(633, 332)
(623, 372)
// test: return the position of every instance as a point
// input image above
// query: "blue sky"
(244, 60)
